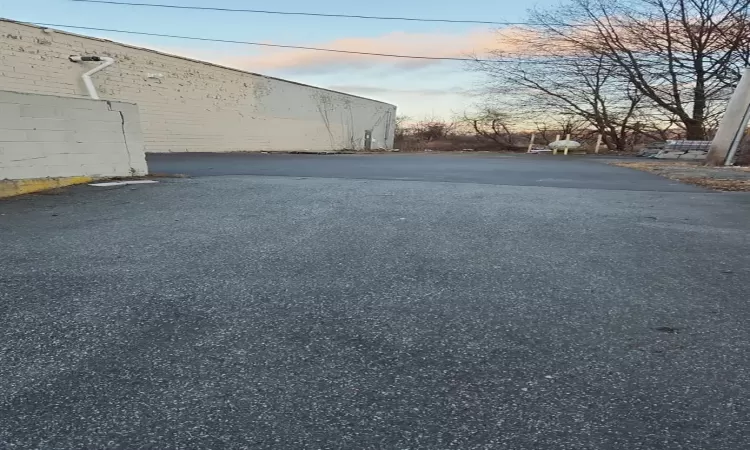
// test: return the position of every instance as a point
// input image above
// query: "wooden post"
(531, 143)
(598, 143)
(554, 150)
(567, 138)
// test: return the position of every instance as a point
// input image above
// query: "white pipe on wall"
(107, 61)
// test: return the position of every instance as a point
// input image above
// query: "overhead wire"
(298, 47)
(312, 14)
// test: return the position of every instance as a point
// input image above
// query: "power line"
(299, 47)
(261, 44)
(290, 13)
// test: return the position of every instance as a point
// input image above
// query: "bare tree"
(658, 127)
(573, 84)
(547, 128)
(402, 128)
(683, 56)
(431, 129)
(491, 124)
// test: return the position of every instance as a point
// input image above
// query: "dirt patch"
(716, 178)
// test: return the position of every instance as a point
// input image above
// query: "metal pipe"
(107, 61)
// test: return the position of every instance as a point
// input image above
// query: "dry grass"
(410, 144)
(716, 178)
(720, 184)
(651, 166)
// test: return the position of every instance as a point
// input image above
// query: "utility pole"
(732, 126)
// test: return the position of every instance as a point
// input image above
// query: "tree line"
(630, 70)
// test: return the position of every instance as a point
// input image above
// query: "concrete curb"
(11, 188)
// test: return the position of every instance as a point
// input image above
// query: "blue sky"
(420, 89)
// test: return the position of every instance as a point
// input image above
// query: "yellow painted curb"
(9, 188)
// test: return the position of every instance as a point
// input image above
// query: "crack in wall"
(124, 137)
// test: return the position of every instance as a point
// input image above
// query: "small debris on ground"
(671, 330)
(122, 183)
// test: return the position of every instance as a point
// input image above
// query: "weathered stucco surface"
(47, 136)
(188, 105)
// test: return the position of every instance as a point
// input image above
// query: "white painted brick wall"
(45, 136)
(190, 105)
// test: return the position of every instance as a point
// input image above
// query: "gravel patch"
(716, 178)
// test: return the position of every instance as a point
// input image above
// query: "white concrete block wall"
(188, 105)
(45, 136)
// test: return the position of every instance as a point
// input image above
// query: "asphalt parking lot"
(493, 169)
(382, 301)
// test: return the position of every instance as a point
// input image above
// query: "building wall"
(44, 136)
(188, 105)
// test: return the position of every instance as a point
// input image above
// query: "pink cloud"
(401, 43)
(479, 42)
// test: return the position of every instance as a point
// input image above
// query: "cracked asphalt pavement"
(384, 302)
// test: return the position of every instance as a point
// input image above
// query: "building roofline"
(57, 30)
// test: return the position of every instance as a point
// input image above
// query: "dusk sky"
(419, 88)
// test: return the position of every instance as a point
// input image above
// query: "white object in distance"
(107, 61)
(564, 144)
